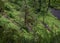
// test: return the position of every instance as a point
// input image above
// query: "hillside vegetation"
(29, 21)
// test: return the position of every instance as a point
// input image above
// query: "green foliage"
(12, 27)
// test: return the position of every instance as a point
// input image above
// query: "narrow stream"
(55, 12)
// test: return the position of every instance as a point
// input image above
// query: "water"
(55, 12)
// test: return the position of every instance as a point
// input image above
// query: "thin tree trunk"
(27, 23)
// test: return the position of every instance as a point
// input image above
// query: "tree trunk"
(27, 23)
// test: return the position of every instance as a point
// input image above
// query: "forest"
(29, 21)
